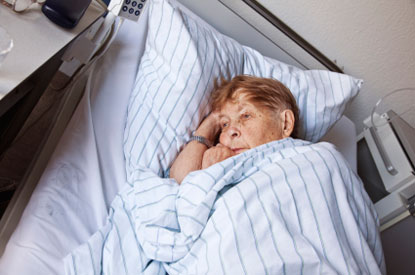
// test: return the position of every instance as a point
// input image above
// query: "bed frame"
(253, 25)
(246, 21)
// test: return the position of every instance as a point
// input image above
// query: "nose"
(233, 132)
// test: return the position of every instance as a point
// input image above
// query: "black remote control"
(65, 13)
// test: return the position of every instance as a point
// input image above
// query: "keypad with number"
(132, 9)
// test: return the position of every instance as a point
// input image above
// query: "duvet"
(286, 207)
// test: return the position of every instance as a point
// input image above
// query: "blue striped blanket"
(286, 207)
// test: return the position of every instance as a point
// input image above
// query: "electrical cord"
(101, 3)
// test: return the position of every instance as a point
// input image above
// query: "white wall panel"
(371, 39)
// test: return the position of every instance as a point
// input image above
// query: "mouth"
(238, 150)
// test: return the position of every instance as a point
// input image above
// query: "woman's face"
(244, 126)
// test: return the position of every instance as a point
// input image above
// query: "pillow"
(182, 59)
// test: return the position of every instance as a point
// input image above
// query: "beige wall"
(372, 39)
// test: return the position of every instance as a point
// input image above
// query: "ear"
(288, 121)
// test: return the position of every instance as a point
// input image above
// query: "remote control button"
(127, 2)
(134, 4)
(140, 6)
(137, 13)
(125, 8)
(143, 1)
(131, 11)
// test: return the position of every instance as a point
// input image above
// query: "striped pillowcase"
(183, 58)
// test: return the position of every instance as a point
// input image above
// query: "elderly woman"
(246, 112)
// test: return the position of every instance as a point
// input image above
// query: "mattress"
(87, 168)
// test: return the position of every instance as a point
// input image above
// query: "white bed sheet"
(87, 169)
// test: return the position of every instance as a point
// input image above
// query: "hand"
(216, 154)
(210, 127)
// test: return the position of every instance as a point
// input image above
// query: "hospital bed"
(89, 167)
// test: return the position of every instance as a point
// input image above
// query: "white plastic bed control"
(85, 47)
(130, 9)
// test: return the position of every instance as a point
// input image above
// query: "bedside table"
(35, 57)
(386, 167)
(392, 194)
(25, 74)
